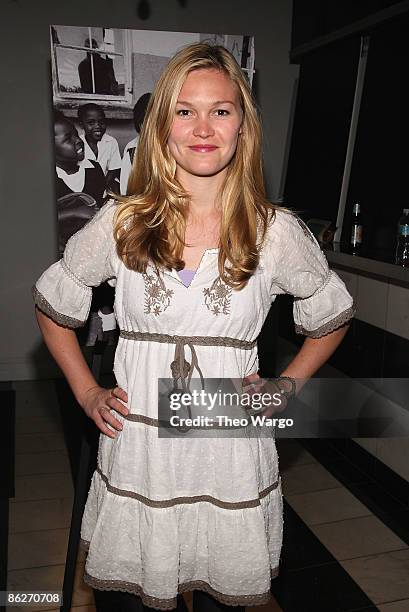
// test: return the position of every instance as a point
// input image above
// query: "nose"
(203, 127)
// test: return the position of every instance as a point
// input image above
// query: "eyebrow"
(212, 104)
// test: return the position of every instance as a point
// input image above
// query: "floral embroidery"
(217, 297)
(157, 297)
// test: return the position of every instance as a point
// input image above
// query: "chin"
(205, 171)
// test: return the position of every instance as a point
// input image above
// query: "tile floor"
(40, 514)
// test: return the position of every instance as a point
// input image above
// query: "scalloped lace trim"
(329, 327)
(171, 603)
(47, 309)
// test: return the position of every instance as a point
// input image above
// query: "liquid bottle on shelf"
(356, 229)
(402, 246)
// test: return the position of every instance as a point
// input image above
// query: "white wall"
(28, 242)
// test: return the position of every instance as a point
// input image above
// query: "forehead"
(63, 128)
(209, 84)
(93, 113)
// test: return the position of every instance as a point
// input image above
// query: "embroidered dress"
(168, 515)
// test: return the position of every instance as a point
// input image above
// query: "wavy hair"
(151, 220)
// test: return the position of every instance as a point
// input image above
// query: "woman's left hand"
(277, 402)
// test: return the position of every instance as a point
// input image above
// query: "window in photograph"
(241, 47)
(90, 63)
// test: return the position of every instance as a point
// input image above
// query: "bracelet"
(292, 391)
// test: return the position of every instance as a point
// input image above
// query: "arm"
(63, 296)
(322, 306)
(312, 355)
(64, 347)
(95, 400)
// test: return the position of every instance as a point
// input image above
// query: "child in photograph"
(80, 187)
(99, 146)
(74, 174)
(139, 111)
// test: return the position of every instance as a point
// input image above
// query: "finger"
(100, 423)
(253, 389)
(250, 379)
(121, 393)
(108, 417)
(117, 405)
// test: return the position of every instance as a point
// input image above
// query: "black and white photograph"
(102, 80)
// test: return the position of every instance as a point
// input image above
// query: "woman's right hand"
(98, 404)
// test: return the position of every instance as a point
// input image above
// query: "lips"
(203, 148)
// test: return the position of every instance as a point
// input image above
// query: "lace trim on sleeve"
(329, 327)
(47, 309)
(72, 276)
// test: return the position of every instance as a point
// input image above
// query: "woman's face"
(207, 124)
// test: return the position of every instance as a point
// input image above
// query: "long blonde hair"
(150, 222)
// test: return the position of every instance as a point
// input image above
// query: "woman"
(168, 515)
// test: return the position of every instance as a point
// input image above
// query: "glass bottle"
(402, 244)
(356, 229)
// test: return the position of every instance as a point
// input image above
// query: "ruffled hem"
(156, 552)
(157, 603)
(335, 323)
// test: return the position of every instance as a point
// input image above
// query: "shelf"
(339, 257)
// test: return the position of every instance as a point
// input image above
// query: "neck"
(92, 143)
(204, 192)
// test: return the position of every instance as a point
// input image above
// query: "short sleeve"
(296, 265)
(64, 290)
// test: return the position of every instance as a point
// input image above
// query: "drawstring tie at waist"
(181, 369)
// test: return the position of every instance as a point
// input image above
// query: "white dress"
(168, 515)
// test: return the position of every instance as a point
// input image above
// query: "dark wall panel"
(321, 128)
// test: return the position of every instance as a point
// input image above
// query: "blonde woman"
(198, 255)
